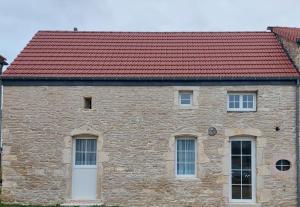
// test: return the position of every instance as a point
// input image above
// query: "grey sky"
(20, 19)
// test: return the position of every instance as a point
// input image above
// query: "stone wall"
(137, 126)
(293, 49)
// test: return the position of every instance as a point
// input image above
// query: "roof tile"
(150, 55)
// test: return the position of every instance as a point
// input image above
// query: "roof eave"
(32, 78)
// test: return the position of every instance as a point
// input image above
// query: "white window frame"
(253, 170)
(185, 92)
(74, 154)
(241, 94)
(195, 144)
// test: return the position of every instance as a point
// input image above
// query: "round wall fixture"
(212, 131)
(283, 165)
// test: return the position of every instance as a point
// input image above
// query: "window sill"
(241, 111)
(243, 205)
(88, 110)
(186, 107)
(186, 178)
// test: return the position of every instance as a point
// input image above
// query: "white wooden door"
(84, 177)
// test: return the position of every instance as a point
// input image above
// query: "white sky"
(20, 19)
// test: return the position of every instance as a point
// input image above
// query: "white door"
(242, 164)
(84, 177)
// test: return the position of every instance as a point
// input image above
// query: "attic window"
(87, 102)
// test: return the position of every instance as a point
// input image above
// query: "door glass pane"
(85, 151)
(246, 147)
(246, 162)
(246, 177)
(236, 162)
(236, 147)
(236, 177)
(241, 166)
(236, 192)
(246, 192)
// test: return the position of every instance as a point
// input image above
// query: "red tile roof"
(290, 33)
(153, 55)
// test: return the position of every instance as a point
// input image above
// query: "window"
(85, 151)
(186, 98)
(242, 170)
(185, 157)
(283, 165)
(87, 103)
(241, 102)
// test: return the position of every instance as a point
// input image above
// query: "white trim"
(253, 171)
(195, 145)
(241, 94)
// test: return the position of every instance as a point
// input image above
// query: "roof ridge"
(152, 32)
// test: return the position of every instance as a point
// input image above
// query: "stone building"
(152, 119)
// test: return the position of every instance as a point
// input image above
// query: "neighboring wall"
(293, 49)
(138, 125)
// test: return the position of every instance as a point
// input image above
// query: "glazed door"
(84, 177)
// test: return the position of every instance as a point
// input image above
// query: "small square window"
(87, 102)
(241, 102)
(186, 98)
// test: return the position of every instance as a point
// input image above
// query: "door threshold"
(82, 203)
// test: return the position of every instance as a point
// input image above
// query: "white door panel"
(84, 183)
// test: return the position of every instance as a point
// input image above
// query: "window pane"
(190, 169)
(236, 192)
(250, 105)
(180, 145)
(246, 147)
(236, 104)
(236, 177)
(79, 158)
(246, 177)
(285, 168)
(236, 162)
(180, 169)
(234, 101)
(185, 156)
(181, 156)
(247, 192)
(190, 157)
(91, 145)
(246, 162)
(247, 101)
(91, 158)
(190, 145)
(85, 151)
(186, 98)
(285, 162)
(235, 147)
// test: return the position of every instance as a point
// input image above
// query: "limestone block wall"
(293, 49)
(137, 126)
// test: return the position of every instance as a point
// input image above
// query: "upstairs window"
(87, 102)
(241, 102)
(185, 98)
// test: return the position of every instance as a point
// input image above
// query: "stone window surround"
(171, 156)
(68, 158)
(242, 92)
(195, 101)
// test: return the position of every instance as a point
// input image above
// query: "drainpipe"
(2, 63)
(297, 143)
